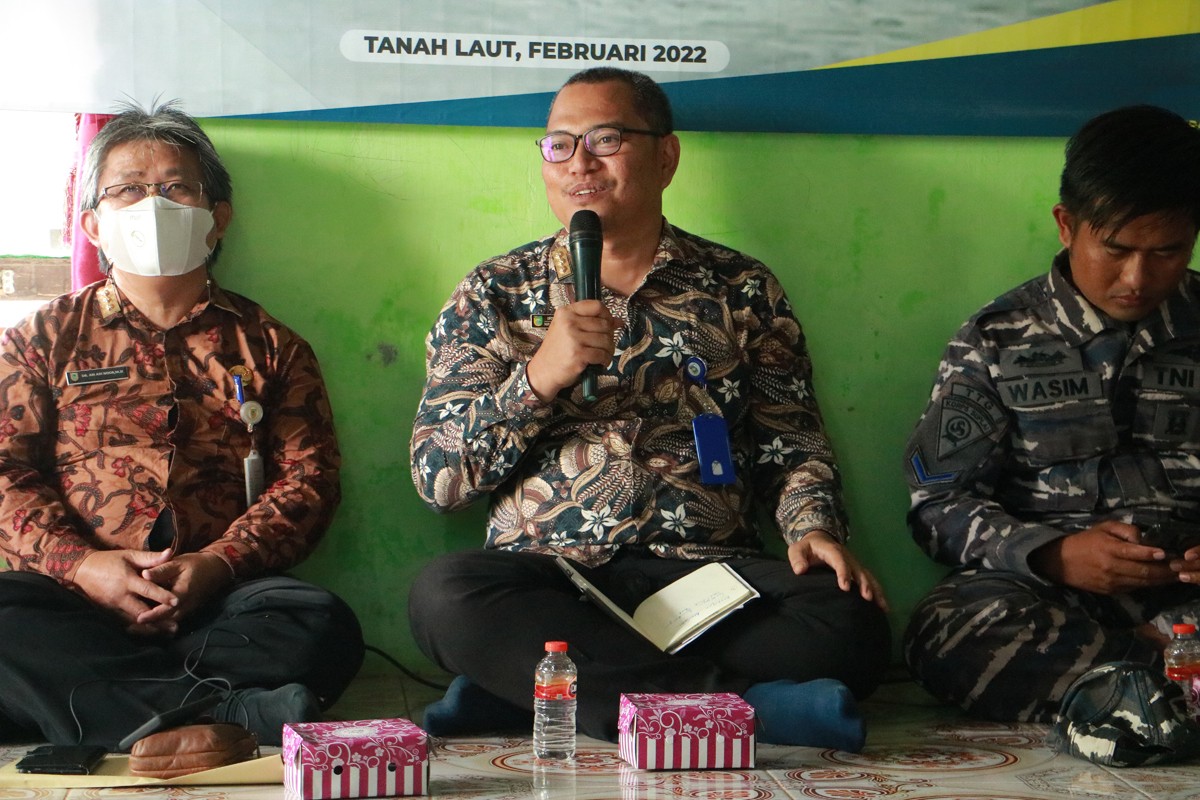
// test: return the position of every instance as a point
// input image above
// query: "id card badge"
(712, 449)
(252, 466)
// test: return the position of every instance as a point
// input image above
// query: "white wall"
(36, 155)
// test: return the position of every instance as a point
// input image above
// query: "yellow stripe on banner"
(1117, 21)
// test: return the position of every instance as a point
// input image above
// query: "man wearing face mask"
(166, 452)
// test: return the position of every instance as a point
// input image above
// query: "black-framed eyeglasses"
(606, 140)
(186, 193)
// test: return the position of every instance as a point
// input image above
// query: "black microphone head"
(585, 225)
(587, 244)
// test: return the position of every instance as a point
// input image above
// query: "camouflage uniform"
(1046, 417)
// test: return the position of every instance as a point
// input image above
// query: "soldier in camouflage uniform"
(1057, 466)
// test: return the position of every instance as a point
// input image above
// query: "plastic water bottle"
(1182, 658)
(554, 704)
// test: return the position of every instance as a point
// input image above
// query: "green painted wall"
(355, 235)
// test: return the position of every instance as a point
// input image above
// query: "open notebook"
(679, 612)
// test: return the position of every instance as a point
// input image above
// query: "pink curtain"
(85, 263)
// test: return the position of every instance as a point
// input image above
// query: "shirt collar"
(1180, 312)
(1078, 318)
(112, 302)
(670, 248)
(1177, 316)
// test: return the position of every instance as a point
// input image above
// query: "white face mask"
(156, 237)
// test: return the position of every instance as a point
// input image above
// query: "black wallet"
(60, 759)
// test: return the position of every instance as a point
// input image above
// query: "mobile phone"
(60, 759)
(1174, 540)
(1156, 536)
(181, 715)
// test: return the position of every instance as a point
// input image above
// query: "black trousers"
(69, 670)
(486, 614)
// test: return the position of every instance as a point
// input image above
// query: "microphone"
(587, 242)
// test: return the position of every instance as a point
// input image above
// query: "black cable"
(189, 667)
(405, 669)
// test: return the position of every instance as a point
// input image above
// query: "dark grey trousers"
(1006, 646)
(69, 670)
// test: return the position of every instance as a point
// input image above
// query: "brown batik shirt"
(106, 422)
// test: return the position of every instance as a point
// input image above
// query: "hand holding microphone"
(587, 243)
(580, 337)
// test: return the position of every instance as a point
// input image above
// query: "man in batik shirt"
(166, 451)
(1056, 465)
(684, 327)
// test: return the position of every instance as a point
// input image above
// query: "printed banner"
(1035, 67)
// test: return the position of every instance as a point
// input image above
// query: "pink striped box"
(367, 758)
(686, 731)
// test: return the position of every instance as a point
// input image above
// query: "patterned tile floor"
(916, 750)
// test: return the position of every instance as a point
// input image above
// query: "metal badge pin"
(696, 370)
(251, 413)
(704, 400)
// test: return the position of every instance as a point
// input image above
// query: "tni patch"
(1171, 376)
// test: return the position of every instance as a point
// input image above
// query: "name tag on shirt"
(712, 449)
(1047, 390)
(102, 375)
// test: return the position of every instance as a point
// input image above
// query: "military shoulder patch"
(921, 473)
(966, 416)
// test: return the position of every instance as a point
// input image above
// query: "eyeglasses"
(559, 146)
(186, 193)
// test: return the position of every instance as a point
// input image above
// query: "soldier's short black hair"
(649, 99)
(1131, 162)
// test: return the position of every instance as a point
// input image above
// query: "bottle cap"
(1183, 627)
(556, 647)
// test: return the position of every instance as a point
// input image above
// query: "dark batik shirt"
(106, 421)
(584, 478)
(1047, 416)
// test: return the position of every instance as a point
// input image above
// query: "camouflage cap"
(1125, 714)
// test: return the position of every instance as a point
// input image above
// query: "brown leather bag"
(191, 748)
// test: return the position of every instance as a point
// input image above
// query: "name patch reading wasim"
(1046, 390)
(102, 375)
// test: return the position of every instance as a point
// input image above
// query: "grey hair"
(162, 122)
